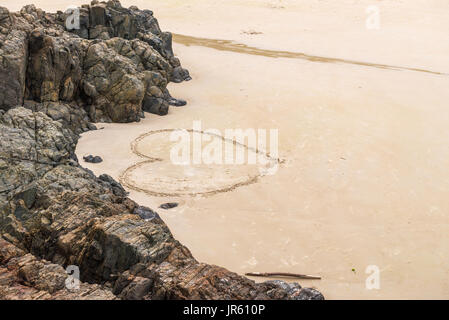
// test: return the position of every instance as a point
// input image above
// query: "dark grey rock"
(27, 194)
(309, 294)
(91, 126)
(168, 205)
(180, 74)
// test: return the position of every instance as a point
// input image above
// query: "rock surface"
(116, 65)
(54, 213)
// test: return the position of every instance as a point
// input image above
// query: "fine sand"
(363, 136)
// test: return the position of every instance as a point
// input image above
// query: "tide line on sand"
(233, 46)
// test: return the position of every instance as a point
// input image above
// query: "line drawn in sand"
(233, 46)
(157, 176)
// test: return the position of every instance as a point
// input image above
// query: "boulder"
(92, 159)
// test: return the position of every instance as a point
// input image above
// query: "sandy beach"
(363, 129)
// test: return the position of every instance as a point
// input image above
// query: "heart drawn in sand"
(157, 175)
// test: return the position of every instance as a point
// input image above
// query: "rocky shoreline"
(55, 213)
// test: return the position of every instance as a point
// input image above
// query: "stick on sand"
(282, 274)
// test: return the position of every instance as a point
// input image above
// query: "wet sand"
(363, 131)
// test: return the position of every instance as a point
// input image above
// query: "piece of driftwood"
(282, 274)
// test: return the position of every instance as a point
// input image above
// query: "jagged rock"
(30, 145)
(309, 294)
(55, 213)
(168, 205)
(113, 68)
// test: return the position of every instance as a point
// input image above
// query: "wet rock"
(179, 74)
(91, 126)
(309, 294)
(168, 205)
(92, 159)
(13, 62)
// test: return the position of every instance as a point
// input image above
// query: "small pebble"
(168, 205)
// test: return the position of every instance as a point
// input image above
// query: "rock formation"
(112, 68)
(53, 212)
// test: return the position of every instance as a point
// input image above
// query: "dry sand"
(365, 179)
